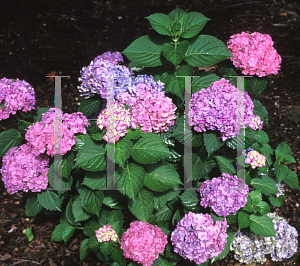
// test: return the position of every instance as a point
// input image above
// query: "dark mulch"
(42, 37)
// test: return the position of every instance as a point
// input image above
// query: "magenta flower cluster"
(22, 170)
(106, 233)
(215, 108)
(256, 123)
(198, 238)
(41, 135)
(224, 195)
(95, 77)
(255, 159)
(122, 121)
(254, 54)
(17, 95)
(143, 242)
(150, 109)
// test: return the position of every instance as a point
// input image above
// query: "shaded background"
(60, 37)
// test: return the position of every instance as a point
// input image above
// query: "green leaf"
(106, 248)
(123, 149)
(250, 137)
(150, 148)
(175, 55)
(114, 200)
(212, 142)
(255, 85)
(131, 179)
(226, 248)
(281, 171)
(261, 136)
(267, 151)
(161, 198)
(203, 81)
(69, 213)
(66, 164)
(80, 141)
(255, 196)
(84, 250)
(8, 139)
(117, 255)
(265, 184)
(39, 114)
(261, 111)
(95, 180)
(288, 159)
(93, 128)
(49, 200)
(190, 200)
(91, 200)
(23, 126)
(231, 218)
(89, 106)
(192, 23)
(143, 205)
(292, 180)
(262, 207)
(90, 226)
(164, 214)
(146, 51)
(93, 243)
(166, 78)
(262, 225)
(206, 50)
(32, 207)
(282, 151)
(133, 133)
(176, 28)
(161, 23)
(79, 213)
(225, 164)
(57, 234)
(98, 136)
(91, 157)
(175, 88)
(229, 74)
(177, 13)
(162, 178)
(61, 185)
(276, 201)
(68, 232)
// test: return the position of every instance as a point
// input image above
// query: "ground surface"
(60, 37)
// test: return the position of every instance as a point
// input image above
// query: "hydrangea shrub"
(146, 205)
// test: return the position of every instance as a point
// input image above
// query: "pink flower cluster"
(106, 233)
(17, 95)
(22, 170)
(224, 195)
(151, 110)
(256, 123)
(197, 237)
(254, 54)
(255, 159)
(114, 57)
(142, 242)
(215, 108)
(41, 135)
(122, 119)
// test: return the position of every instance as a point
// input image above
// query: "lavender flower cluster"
(17, 95)
(225, 194)
(215, 108)
(198, 238)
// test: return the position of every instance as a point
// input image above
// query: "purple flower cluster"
(286, 237)
(215, 108)
(251, 248)
(143, 242)
(254, 54)
(95, 77)
(280, 189)
(17, 95)
(150, 109)
(197, 237)
(40, 135)
(22, 170)
(224, 195)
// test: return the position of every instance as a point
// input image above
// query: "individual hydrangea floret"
(286, 237)
(41, 135)
(22, 170)
(143, 242)
(255, 159)
(17, 95)
(254, 54)
(198, 238)
(256, 123)
(150, 109)
(96, 77)
(251, 248)
(280, 189)
(122, 121)
(215, 108)
(106, 233)
(114, 57)
(224, 195)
